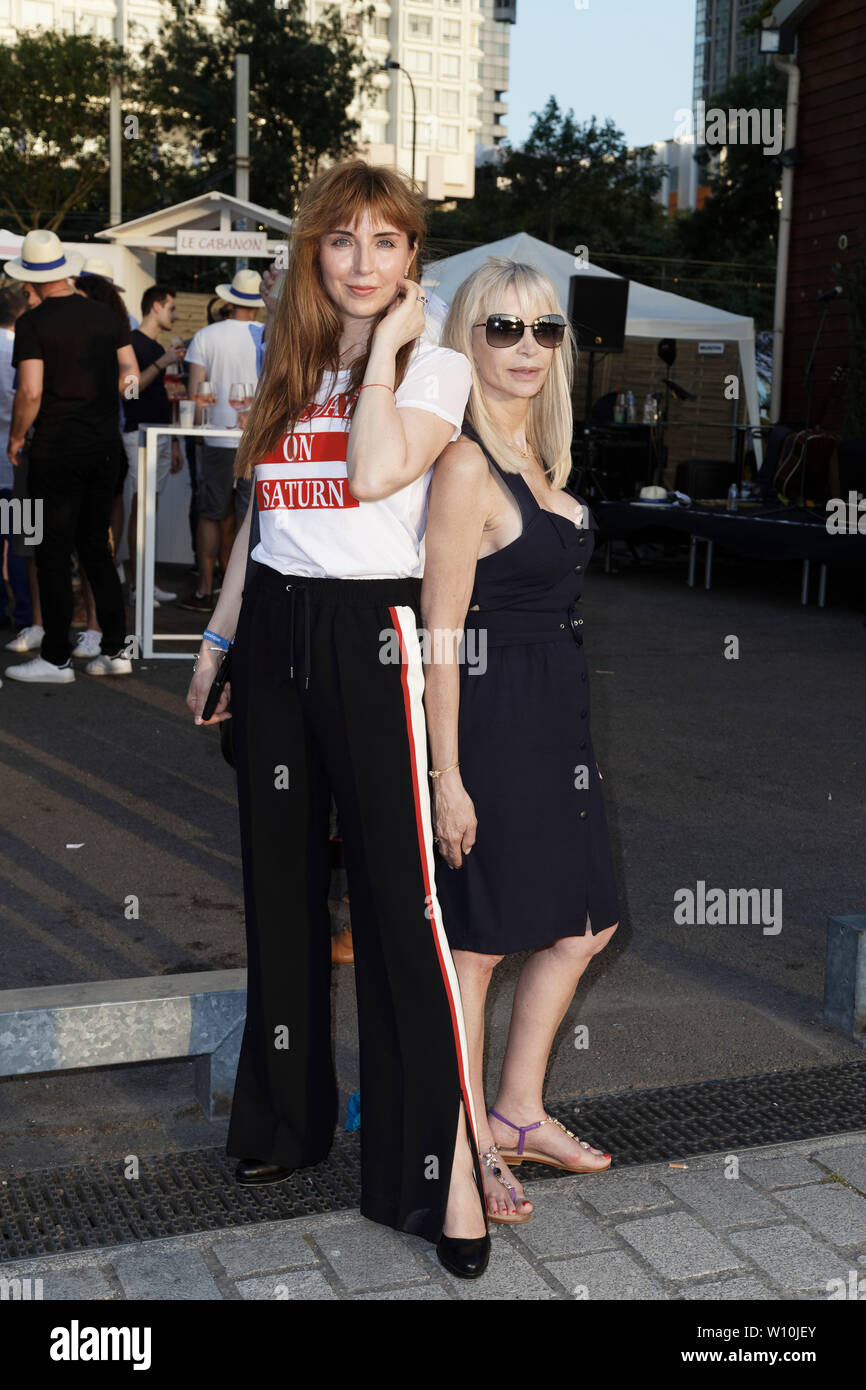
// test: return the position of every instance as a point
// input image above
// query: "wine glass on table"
(175, 389)
(249, 397)
(241, 397)
(205, 396)
(238, 400)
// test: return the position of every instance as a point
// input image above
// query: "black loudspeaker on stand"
(597, 309)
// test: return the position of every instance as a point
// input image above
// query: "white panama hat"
(94, 266)
(42, 259)
(245, 290)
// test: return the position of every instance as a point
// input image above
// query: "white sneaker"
(27, 640)
(88, 643)
(163, 595)
(41, 670)
(109, 666)
(132, 598)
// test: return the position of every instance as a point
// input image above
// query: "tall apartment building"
(496, 47)
(721, 49)
(439, 45)
(84, 16)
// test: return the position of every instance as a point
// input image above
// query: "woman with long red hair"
(352, 409)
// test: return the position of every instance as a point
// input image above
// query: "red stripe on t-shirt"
(320, 446)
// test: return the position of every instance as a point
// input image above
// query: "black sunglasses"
(504, 330)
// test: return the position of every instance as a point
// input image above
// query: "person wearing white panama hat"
(73, 357)
(222, 353)
(43, 261)
(94, 266)
(244, 290)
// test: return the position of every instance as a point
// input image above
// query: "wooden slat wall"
(693, 432)
(829, 199)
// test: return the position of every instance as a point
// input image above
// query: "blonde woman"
(351, 411)
(525, 859)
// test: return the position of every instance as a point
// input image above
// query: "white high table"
(145, 540)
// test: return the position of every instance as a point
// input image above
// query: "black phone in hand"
(216, 690)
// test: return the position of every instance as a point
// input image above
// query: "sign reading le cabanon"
(216, 243)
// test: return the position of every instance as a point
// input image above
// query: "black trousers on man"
(318, 711)
(76, 491)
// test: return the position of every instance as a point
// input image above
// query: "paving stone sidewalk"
(791, 1222)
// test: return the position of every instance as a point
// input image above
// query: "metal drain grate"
(708, 1116)
(87, 1205)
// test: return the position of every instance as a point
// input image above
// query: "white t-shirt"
(7, 396)
(227, 351)
(310, 524)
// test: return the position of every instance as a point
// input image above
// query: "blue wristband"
(222, 642)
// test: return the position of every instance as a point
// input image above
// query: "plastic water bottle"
(732, 497)
(630, 411)
(619, 409)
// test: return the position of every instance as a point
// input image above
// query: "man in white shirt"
(223, 353)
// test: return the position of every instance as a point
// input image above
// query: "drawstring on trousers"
(294, 590)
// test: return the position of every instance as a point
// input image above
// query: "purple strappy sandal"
(524, 1155)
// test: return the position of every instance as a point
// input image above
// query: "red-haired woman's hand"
(199, 688)
(404, 318)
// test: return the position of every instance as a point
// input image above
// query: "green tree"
(53, 125)
(572, 181)
(570, 185)
(739, 220)
(302, 80)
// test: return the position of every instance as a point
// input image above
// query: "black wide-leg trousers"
(326, 695)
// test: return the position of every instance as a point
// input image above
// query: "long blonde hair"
(304, 336)
(549, 424)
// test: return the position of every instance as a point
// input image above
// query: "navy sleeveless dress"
(541, 864)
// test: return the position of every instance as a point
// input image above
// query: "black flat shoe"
(251, 1172)
(466, 1258)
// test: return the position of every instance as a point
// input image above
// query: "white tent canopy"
(651, 313)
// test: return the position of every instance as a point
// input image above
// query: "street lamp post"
(391, 64)
(115, 117)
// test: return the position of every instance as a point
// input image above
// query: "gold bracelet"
(433, 772)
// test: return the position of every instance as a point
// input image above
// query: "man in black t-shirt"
(151, 407)
(72, 358)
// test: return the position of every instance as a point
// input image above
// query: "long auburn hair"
(304, 336)
(549, 422)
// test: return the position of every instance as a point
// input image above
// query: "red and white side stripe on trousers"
(412, 676)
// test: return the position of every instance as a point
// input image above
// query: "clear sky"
(630, 60)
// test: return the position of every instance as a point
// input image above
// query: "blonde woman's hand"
(199, 686)
(404, 319)
(454, 818)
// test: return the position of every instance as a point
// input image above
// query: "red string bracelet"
(377, 383)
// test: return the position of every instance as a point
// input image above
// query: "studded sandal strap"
(489, 1159)
(551, 1119)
